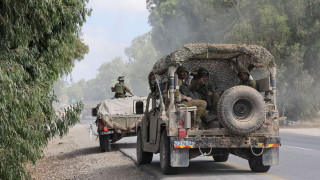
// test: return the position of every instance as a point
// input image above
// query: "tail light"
(104, 128)
(182, 132)
(181, 122)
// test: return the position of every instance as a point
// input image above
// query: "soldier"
(205, 89)
(120, 88)
(244, 76)
(185, 96)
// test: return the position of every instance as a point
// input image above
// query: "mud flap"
(270, 156)
(179, 157)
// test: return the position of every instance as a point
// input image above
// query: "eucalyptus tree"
(39, 41)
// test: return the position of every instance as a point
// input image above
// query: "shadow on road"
(83, 152)
(125, 145)
(198, 169)
(211, 167)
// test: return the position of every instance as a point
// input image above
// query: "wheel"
(165, 159)
(256, 164)
(241, 110)
(222, 158)
(142, 156)
(104, 143)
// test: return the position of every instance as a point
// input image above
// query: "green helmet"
(182, 69)
(201, 72)
(245, 70)
(121, 78)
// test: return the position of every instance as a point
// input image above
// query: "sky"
(112, 26)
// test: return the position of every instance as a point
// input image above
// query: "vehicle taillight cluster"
(182, 132)
(181, 122)
(105, 128)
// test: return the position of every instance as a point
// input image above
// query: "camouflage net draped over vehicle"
(224, 58)
(224, 79)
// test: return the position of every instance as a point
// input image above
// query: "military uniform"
(202, 89)
(248, 81)
(200, 104)
(120, 90)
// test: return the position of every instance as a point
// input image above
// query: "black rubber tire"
(241, 110)
(142, 156)
(165, 158)
(104, 143)
(222, 158)
(256, 164)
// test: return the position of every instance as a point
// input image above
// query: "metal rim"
(242, 109)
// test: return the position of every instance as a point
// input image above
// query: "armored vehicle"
(117, 118)
(247, 119)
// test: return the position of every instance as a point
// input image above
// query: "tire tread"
(223, 109)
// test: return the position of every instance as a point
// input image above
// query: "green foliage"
(142, 56)
(288, 29)
(65, 117)
(108, 74)
(39, 42)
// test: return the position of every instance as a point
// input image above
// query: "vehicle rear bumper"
(225, 142)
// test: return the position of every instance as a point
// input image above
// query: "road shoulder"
(77, 156)
(302, 131)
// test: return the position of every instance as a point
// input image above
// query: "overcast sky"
(108, 31)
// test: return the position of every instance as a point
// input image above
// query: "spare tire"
(241, 110)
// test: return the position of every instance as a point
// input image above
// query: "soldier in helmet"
(245, 79)
(205, 90)
(185, 96)
(120, 88)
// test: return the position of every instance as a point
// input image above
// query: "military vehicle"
(117, 118)
(247, 119)
(87, 108)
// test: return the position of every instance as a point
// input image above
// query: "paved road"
(299, 159)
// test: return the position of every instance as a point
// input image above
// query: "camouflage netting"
(221, 60)
(118, 113)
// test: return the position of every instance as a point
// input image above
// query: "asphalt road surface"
(299, 159)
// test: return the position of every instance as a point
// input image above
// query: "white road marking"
(298, 147)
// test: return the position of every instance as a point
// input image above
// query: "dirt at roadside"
(77, 157)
